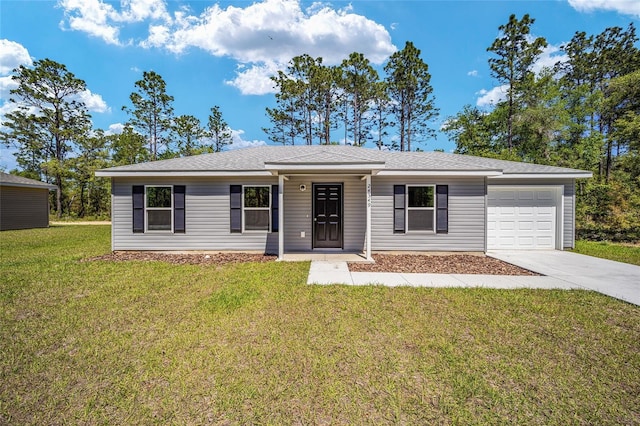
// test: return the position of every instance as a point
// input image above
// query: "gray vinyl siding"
(207, 218)
(298, 212)
(23, 208)
(569, 200)
(466, 216)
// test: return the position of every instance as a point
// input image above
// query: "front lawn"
(613, 251)
(150, 342)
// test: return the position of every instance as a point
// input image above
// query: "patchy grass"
(150, 342)
(626, 253)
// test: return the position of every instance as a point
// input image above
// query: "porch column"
(280, 217)
(368, 230)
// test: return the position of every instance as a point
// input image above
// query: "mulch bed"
(439, 264)
(186, 258)
(432, 264)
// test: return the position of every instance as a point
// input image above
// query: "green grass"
(154, 343)
(612, 251)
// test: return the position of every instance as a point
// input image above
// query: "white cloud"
(473, 73)
(6, 85)
(627, 7)
(102, 20)
(91, 17)
(12, 55)
(239, 143)
(260, 35)
(256, 79)
(492, 97)
(277, 30)
(93, 102)
(114, 129)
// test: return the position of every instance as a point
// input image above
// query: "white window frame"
(147, 209)
(268, 209)
(407, 208)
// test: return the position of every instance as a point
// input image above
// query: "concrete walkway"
(561, 270)
(337, 272)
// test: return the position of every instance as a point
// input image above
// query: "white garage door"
(522, 218)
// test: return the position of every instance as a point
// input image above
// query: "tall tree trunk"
(58, 196)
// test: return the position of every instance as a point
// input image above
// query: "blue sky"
(222, 53)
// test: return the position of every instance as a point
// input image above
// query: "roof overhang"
(339, 167)
(576, 175)
(27, 185)
(489, 173)
(176, 173)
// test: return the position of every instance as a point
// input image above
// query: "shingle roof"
(259, 158)
(7, 179)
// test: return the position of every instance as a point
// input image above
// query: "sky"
(222, 53)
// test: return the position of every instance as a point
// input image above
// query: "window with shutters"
(159, 208)
(256, 205)
(420, 208)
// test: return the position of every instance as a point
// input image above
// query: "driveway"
(615, 279)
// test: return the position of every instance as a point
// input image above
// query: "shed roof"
(7, 179)
(269, 160)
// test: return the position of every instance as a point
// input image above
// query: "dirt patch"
(445, 264)
(185, 258)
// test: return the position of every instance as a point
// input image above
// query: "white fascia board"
(26, 185)
(107, 173)
(577, 175)
(489, 173)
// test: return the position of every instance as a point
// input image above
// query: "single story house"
(296, 199)
(24, 203)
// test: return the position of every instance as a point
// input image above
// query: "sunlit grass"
(150, 342)
(613, 251)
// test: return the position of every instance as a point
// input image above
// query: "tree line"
(583, 112)
(351, 104)
(52, 131)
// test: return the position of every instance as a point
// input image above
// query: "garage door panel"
(525, 195)
(506, 225)
(526, 242)
(545, 225)
(525, 225)
(521, 218)
(546, 195)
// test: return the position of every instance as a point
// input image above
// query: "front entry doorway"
(327, 215)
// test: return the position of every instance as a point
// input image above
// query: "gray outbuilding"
(300, 199)
(24, 203)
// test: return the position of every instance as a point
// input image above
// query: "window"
(256, 208)
(420, 208)
(159, 208)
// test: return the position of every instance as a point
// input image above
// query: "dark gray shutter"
(138, 208)
(235, 201)
(178, 209)
(274, 208)
(398, 208)
(442, 209)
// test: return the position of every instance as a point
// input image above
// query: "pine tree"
(48, 122)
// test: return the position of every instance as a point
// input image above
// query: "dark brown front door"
(327, 215)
